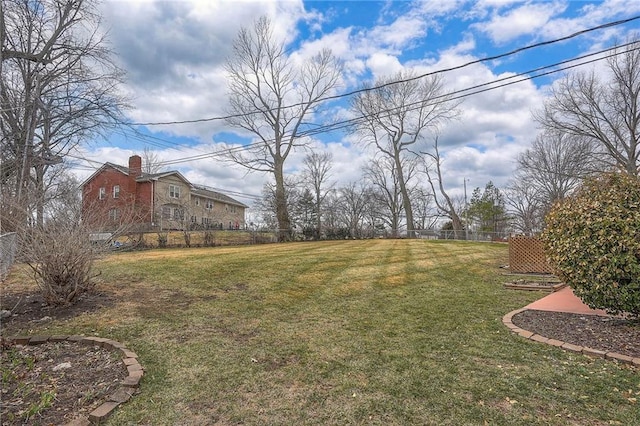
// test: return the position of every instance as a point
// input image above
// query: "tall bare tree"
(444, 202)
(270, 96)
(57, 89)
(397, 114)
(382, 175)
(353, 204)
(556, 163)
(317, 170)
(604, 109)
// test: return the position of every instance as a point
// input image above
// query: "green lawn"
(388, 332)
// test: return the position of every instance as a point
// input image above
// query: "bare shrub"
(208, 239)
(61, 256)
(163, 238)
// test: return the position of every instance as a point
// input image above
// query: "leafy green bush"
(593, 240)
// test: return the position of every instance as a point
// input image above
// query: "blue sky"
(174, 54)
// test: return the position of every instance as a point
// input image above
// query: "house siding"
(223, 215)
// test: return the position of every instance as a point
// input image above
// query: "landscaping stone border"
(506, 320)
(127, 387)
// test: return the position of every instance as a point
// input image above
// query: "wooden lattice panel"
(526, 256)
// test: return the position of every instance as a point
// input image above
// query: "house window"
(233, 209)
(174, 191)
(194, 219)
(116, 191)
(166, 212)
(209, 205)
(114, 214)
(102, 193)
(197, 201)
(178, 214)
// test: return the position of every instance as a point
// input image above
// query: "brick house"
(116, 196)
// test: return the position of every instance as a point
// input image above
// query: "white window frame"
(209, 205)
(114, 213)
(102, 193)
(174, 191)
(116, 191)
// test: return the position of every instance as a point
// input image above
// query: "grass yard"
(386, 332)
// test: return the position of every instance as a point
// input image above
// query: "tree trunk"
(406, 201)
(282, 213)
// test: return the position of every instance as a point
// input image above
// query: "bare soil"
(52, 383)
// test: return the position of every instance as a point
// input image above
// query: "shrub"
(61, 256)
(163, 238)
(593, 240)
(208, 239)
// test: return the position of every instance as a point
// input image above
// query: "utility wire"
(454, 95)
(440, 71)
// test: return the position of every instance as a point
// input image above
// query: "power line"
(440, 71)
(457, 94)
(461, 92)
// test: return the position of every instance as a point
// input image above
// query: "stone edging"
(127, 386)
(506, 320)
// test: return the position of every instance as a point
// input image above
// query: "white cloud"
(382, 64)
(526, 19)
(175, 52)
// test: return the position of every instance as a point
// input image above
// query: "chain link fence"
(8, 248)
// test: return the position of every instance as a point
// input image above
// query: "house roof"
(202, 191)
(121, 169)
(198, 190)
(146, 177)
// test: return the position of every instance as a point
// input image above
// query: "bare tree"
(396, 114)
(58, 88)
(602, 109)
(150, 161)
(67, 16)
(382, 175)
(446, 204)
(268, 204)
(353, 203)
(555, 165)
(425, 212)
(270, 97)
(525, 207)
(316, 173)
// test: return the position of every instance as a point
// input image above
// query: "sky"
(174, 55)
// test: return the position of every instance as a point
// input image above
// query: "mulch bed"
(54, 383)
(32, 392)
(592, 331)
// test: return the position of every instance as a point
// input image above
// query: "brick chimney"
(135, 166)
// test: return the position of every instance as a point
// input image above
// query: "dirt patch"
(32, 392)
(28, 307)
(592, 331)
(54, 383)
